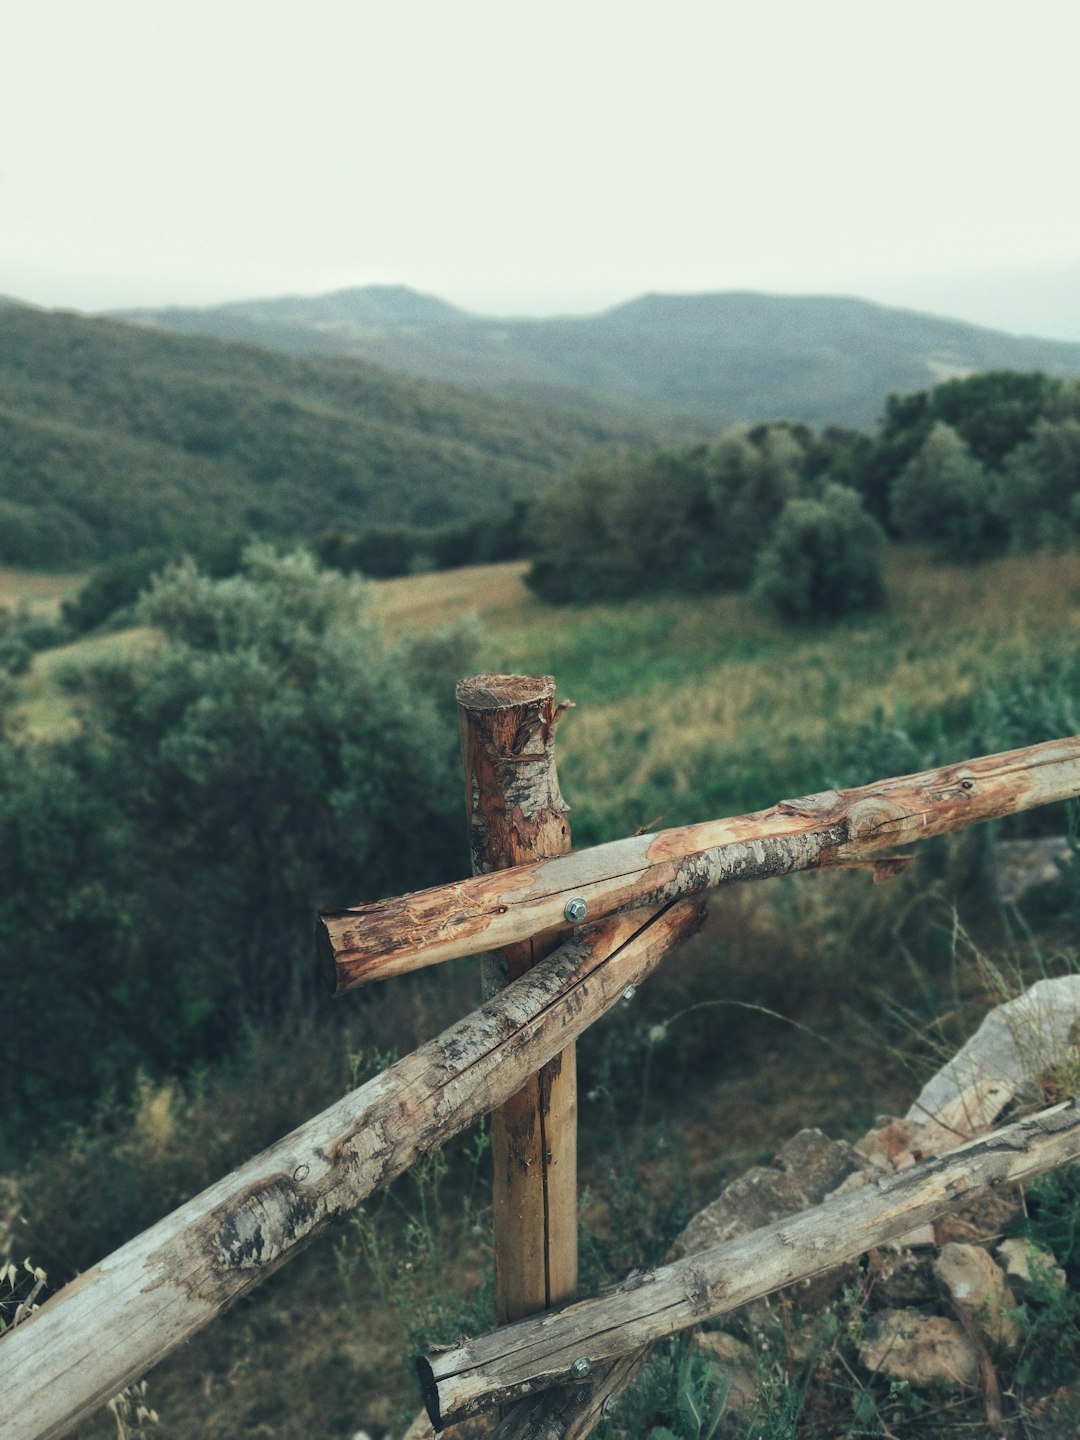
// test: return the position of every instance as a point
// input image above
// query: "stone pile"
(938, 1306)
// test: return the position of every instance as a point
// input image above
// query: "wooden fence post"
(516, 814)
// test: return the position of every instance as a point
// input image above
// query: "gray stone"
(735, 1361)
(1017, 1257)
(817, 1163)
(1024, 865)
(757, 1198)
(976, 1287)
(921, 1349)
(1015, 1044)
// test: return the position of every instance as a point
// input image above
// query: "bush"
(945, 498)
(823, 560)
(162, 867)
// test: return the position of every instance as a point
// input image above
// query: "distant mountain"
(114, 436)
(706, 360)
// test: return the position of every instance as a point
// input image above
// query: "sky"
(524, 158)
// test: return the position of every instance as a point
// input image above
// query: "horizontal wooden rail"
(390, 937)
(104, 1329)
(564, 1345)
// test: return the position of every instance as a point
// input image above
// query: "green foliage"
(115, 438)
(162, 866)
(1050, 1316)
(945, 498)
(1041, 493)
(690, 519)
(679, 1395)
(823, 559)
(110, 593)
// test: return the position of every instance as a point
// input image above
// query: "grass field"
(695, 707)
(687, 709)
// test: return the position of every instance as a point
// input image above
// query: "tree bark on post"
(516, 813)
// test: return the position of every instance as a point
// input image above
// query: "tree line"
(972, 468)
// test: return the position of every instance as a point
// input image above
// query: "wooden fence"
(572, 934)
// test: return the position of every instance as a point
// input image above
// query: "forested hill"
(115, 436)
(717, 360)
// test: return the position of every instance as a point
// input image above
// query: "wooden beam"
(112, 1323)
(850, 827)
(516, 813)
(542, 1352)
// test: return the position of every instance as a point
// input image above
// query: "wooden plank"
(851, 827)
(541, 1352)
(516, 813)
(108, 1326)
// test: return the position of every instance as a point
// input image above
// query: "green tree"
(823, 559)
(945, 498)
(163, 866)
(1041, 486)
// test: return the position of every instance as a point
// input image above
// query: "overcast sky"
(527, 158)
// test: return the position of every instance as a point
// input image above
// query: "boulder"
(1018, 1258)
(976, 1287)
(1015, 1044)
(924, 1350)
(735, 1361)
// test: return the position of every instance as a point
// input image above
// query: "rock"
(1016, 1258)
(757, 1198)
(808, 1168)
(966, 1115)
(986, 1218)
(898, 1278)
(1014, 1044)
(976, 1287)
(888, 1141)
(1023, 865)
(817, 1163)
(923, 1350)
(736, 1362)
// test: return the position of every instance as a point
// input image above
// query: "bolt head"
(629, 993)
(576, 910)
(581, 1367)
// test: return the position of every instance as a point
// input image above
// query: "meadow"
(817, 1000)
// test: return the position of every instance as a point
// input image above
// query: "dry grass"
(424, 602)
(42, 594)
(45, 711)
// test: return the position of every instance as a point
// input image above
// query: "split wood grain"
(111, 1324)
(516, 813)
(391, 937)
(536, 1354)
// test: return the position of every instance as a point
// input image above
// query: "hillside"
(716, 360)
(114, 436)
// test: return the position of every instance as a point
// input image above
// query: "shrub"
(945, 498)
(162, 866)
(823, 559)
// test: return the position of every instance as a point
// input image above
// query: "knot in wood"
(867, 817)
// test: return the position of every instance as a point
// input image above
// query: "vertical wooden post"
(516, 813)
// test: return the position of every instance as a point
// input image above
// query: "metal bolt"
(629, 993)
(576, 910)
(581, 1367)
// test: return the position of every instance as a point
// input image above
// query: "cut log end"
(504, 692)
(430, 1391)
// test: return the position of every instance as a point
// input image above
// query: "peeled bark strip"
(391, 937)
(516, 813)
(538, 1353)
(112, 1323)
